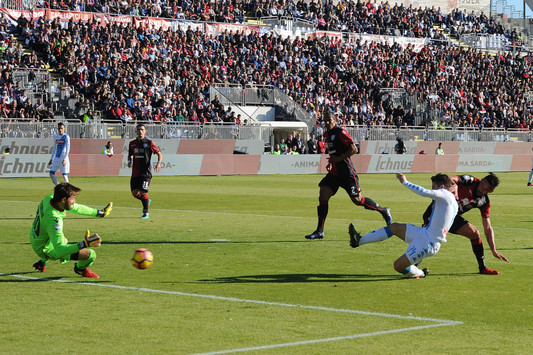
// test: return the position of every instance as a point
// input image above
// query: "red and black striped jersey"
(468, 199)
(338, 142)
(142, 150)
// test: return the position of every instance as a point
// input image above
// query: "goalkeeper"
(47, 238)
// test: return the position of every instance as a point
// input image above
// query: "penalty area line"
(437, 322)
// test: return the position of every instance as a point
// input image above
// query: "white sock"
(413, 271)
(378, 235)
(530, 176)
(54, 178)
(65, 178)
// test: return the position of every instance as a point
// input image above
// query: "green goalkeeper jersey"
(46, 235)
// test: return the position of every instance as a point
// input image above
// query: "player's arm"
(351, 151)
(54, 230)
(84, 210)
(66, 149)
(54, 151)
(130, 157)
(419, 190)
(489, 235)
(156, 151)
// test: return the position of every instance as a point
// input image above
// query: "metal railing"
(107, 130)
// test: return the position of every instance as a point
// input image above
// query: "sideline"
(437, 322)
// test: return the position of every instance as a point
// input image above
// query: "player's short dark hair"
(64, 189)
(330, 115)
(140, 125)
(493, 180)
(60, 124)
(442, 179)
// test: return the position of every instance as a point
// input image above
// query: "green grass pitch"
(233, 272)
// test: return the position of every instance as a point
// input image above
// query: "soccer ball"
(142, 259)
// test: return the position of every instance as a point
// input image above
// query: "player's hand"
(500, 256)
(50, 162)
(90, 241)
(158, 167)
(106, 210)
(401, 177)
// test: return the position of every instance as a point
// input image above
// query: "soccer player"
(341, 173)
(47, 238)
(59, 160)
(473, 193)
(139, 157)
(423, 241)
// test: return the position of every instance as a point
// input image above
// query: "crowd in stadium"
(162, 75)
(129, 73)
(345, 16)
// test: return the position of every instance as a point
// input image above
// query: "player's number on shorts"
(146, 185)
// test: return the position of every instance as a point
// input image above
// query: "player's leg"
(53, 177)
(468, 230)
(85, 258)
(145, 200)
(379, 235)
(405, 267)
(420, 247)
(354, 191)
(65, 169)
(139, 188)
(327, 189)
(530, 178)
(53, 168)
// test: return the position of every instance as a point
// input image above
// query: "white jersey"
(444, 210)
(61, 147)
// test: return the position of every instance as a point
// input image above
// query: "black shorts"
(348, 183)
(458, 222)
(140, 183)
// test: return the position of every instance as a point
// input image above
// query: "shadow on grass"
(296, 278)
(41, 279)
(17, 218)
(312, 278)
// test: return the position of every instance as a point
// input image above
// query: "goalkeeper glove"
(107, 210)
(90, 240)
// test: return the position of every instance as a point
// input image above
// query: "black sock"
(322, 211)
(144, 200)
(477, 248)
(369, 204)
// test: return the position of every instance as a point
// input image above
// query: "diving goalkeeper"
(47, 238)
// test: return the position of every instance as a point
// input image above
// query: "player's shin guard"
(378, 235)
(477, 248)
(322, 212)
(65, 177)
(53, 177)
(82, 264)
(413, 271)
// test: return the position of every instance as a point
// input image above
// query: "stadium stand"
(136, 73)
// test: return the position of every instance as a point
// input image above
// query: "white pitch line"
(439, 322)
(315, 341)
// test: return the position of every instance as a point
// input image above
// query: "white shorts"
(420, 244)
(57, 165)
